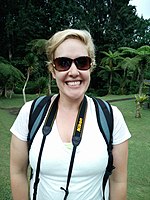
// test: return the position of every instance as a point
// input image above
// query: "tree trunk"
(24, 88)
(138, 110)
(141, 87)
(141, 81)
(110, 85)
(5, 91)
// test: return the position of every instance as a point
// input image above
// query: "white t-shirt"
(90, 159)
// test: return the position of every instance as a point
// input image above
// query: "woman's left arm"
(118, 179)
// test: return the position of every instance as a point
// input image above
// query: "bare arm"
(118, 179)
(18, 168)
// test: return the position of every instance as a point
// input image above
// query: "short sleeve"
(20, 125)
(121, 132)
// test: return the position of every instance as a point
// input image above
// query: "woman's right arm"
(18, 168)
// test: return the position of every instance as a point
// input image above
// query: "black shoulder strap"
(38, 111)
(105, 122)
(76, 139)
(46, 130)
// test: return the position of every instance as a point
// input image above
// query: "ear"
(53, 74)
(51, 70)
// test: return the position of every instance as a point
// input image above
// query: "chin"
(73, 94)
(76, 95)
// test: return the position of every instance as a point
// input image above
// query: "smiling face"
(72, 83)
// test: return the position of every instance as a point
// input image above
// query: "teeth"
(73, 83)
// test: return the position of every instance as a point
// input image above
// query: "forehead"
(71, 48)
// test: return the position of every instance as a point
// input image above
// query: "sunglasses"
(62, 64)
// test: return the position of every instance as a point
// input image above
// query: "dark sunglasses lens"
(62, 64)
(83, 63)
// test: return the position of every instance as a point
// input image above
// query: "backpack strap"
(46, 131)
(38, 111)
(105, 122)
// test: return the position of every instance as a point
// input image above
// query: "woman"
(71, 59)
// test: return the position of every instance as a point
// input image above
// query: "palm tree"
(35, 48)
(140, 99)
(38, 47)
(141, 59)
(9, 76)
(128, 67)
(109, 66)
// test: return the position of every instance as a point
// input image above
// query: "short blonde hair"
(61, 36)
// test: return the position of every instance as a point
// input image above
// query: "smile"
(73, 83)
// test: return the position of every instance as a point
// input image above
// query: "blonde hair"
(61, 36)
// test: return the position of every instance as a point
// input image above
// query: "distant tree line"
(26, 25)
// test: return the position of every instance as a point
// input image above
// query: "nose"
(73, 71)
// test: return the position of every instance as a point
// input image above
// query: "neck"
(69, 104)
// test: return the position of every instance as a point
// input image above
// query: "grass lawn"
(139, 149)
(139, 146)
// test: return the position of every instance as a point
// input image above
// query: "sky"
(142, 7)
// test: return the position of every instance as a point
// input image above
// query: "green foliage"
(112, 23)
(140, 59)
(26, 25)
(141, 98)
(37, 87)
(33, 87)
(142, 33)
(110, 67)
(9, 75)
(37, 46)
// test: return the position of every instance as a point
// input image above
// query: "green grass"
(6, 120)
(139, 146)
(139, 149)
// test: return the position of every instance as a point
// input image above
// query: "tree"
(9, 76)
(140, 99)
(110, 66)
(128, 67)
(142, 33)
(31, 62)
(120, 25)
(37, 46)
(141, 59)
